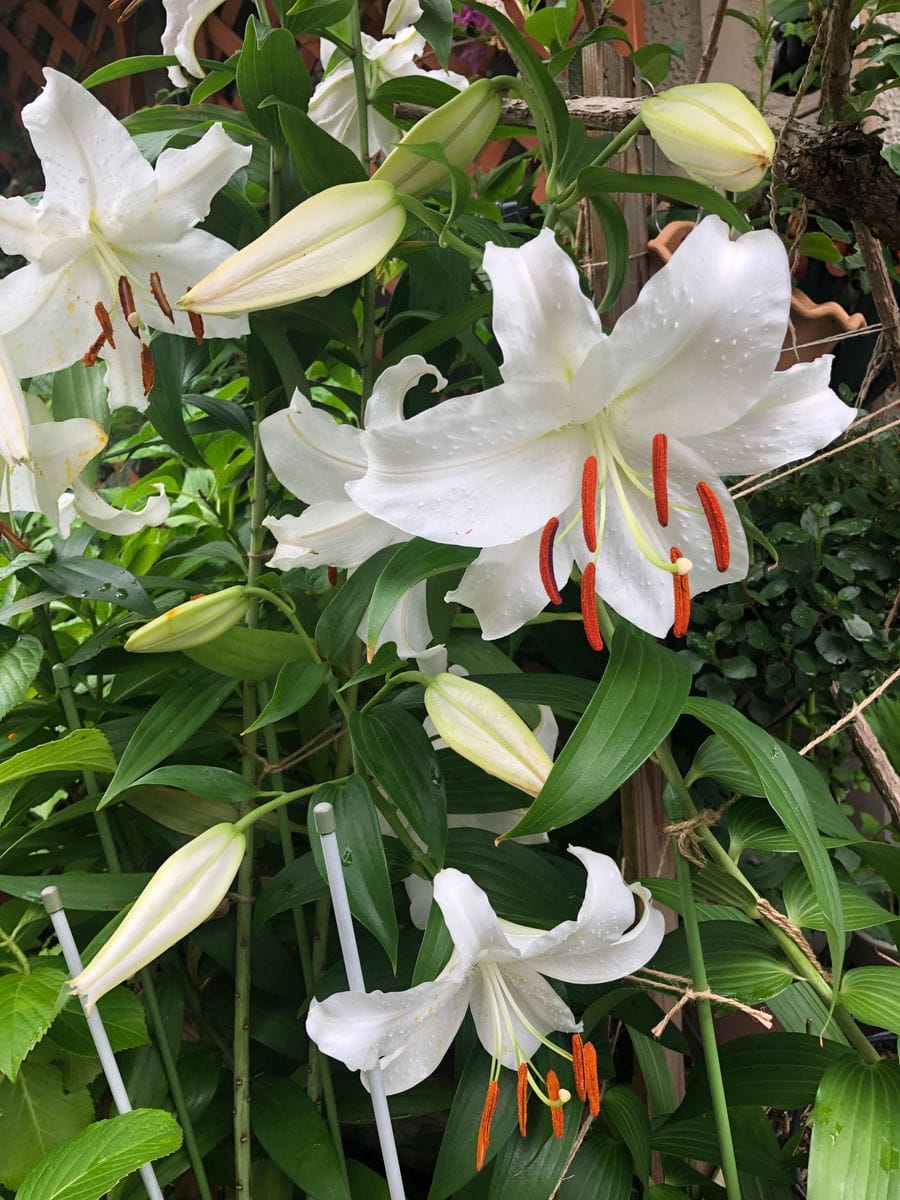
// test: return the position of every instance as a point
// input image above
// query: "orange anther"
(160, 296)
(545, 560)
(556, 1112)
(682, 598)
(105, 323)
(127, 305)
(522, 1098)
(146, 369)
(484, 1127)
(718, 527)
(591, 1079)
(578, 1066)
(589, 502)
(659, 463)
(90, 355)
(196, 323)
(332, 576)
(589, 607)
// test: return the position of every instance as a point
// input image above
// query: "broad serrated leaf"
(18, 669)
(293, 1134)
(855, 1149)
(81, 750)
(639, 699)
(87, 1166)
(28, 1004)
(123, 1020)
(178, 713)
(37, 1114)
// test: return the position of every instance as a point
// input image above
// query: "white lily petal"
(595, 947)
(47, 320)
(796, 415)
(183, 21)
(124, 376)
(95, 510)
(547, 729)
(20, 231)
(187, 180)
(92, 167)
(401, 13)
(497, 823)
(503, 585)
(395, 56)
(464, 472)
(420, 894)
(407, 626)
(60, 450)
(470, 920)
(718, 313)
(311, 453)
(542, 321)
(15, 427)
(329, 534)
(385, 405)
(500, 1027)
(412, 1030)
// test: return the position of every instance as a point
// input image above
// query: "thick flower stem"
(319, 949)
(798, 960)
(435, 223)
(367, 347)
(707, 1029)
(114, 866)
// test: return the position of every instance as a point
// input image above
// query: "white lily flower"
(94, 510)
(608, 449)
(313, 456)
(183, 21)
(399, 14)
(499, 970)
(110, 240)
(333, 104)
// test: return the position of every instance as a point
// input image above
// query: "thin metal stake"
(54, 906)
(325, 826)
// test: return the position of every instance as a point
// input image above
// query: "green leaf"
(79, 889)
(37, 1114)
(741, 960)
(628, 1116)
(599, 180)
(87, 1166)
(820, 246)
(297, 883)
(860, 911)
(362, 856)
(315, 16)
(412, 562)
(123, 1019)
(436, 27)
(529, 1167)
(641, 695)
(555, 886)
(28, 1004)
(81, 750)
(96, 579)
(436, 333)
(294, 1136)
(855, 1149)
(615, 241)
(136, 65)
(320, 161)
(653, 62)
(717, 760)
(18, 670)
(567, 695)
(165, 408)
(764, 755)
(214, 783)
(780, 1070)
(178, 713)
(602, 1167)
(397, 751)
(270, 66)
(340, 620)
(800, 1010)
(551, 25)
(253, 654)
(295, 686)
(872, 995)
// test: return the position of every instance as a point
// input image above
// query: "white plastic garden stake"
(54, 906)
(325, 827)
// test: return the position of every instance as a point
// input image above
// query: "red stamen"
(589, 607)
(522, 1098)
(589, 502)
(332, 576)
(578, 1066)
(682, 598)
(718, 528)
(484, 1128)
(160, 296)
(146, 369)
(591, 1079)
(545, 560)
(126, 303)
(105, 323)
(556, 1113)
(89, 358)
(660, 458)
(196, 322)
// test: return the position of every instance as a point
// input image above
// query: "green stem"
(319, 949)
(290, 612)
(435, 223)
(367, 347)
(251, 817)
(707, 1028)
(798, 960)
(612, 148)
(16, 951)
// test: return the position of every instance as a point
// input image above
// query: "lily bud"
(330, 239)
(460, 127)
(15, 427)
(191, 624)
(713, 132)
(482, 728)
(185, 890)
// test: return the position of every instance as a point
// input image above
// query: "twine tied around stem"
(687, 994)
(687, 834)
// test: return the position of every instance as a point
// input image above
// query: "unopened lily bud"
(713, 132)
(185, 890)
(191, 624)
(460, 127)
(330, 239)
(482, 728)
